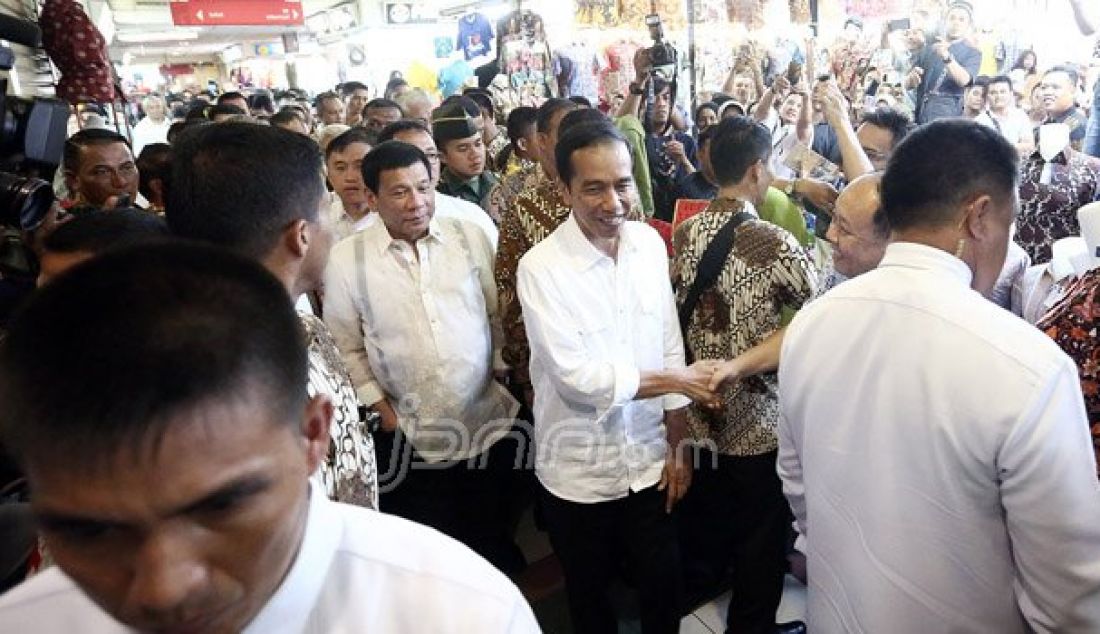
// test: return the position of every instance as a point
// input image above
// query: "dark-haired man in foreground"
(258, 190)
(183, 504)
(934, 448)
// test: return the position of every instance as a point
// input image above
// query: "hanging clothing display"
(79, 51)
(619, 72)
(526, 67)
(577, 69)
(475, 35)
(603, 13)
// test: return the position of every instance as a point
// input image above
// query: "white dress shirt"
(357, 571)
(594, 324)
(936, 453)
(422, 330)
(1015, 126)
(147, 132)
(451, 207)
(445, 207)
(342, 224)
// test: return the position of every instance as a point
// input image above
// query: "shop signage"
(237, 12)
(411, 13)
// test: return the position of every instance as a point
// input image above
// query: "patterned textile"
(493, 150)
(79, 51)
(1074, 324)
(349, 472)
(1048, 212)
(504, 195)
(767, 271)
(486, 182)
(537, 211)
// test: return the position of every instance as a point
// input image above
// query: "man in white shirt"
(171, 482)
(934, 447)
(1003, 115)
(411, 303)
(154, 127)
(607, 365)
(343, 163)
(413, 132)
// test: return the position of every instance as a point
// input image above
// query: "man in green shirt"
(462, 152)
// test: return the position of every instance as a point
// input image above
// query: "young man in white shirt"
(935, 448)
(343, 160)
(411, 303)
(607, 365)
(171, 483)
(1003, 115)
(154, 127)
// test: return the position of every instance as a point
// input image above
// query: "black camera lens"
(24, 202)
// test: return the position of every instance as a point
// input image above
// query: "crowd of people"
(274, 339)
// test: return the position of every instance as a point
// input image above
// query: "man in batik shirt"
(766, 276)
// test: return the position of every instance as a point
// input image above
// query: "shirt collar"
(474, 184)
(377, 233)
(293, 601)
(580, 250)
(913, 255)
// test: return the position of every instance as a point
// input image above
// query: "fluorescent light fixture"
(175, 35)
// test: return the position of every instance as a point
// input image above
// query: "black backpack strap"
(710, 266)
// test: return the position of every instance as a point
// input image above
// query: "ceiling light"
(175, 35)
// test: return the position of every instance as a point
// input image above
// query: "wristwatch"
(789, 189)
(636, 88)
(947, 60)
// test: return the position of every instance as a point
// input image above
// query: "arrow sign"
(237, 12)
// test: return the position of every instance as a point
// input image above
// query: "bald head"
(859, 231)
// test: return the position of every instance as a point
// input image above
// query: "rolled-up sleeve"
(555, 339)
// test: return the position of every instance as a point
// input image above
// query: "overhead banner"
(237, 12)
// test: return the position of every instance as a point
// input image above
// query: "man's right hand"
(389, 416)
(781, 86)
(695, 382)
(833, 104)
(642, 64)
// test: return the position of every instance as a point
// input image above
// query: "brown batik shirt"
(1048, 211)
(767, 272)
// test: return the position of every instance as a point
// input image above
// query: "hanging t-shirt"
(475, 35)
(453, 77)
(577, 69)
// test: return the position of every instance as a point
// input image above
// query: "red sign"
(237, 12)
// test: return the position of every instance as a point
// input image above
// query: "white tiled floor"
(711, 618)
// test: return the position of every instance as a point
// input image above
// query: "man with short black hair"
(234, 98)
(99, 168)
(356, 94)
(171, 483)
(223, 112)
(935, 416)
(258, 190)
(607, 363)
(379, 113)
(1058, 94)
(343, 166)
(880, 131)
(90, 234)
(416, 133)
(942, 68)
(289, 119)
(462, 151)
(1003, 115)
(155, 173)
(730, 302)
(412, 306)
